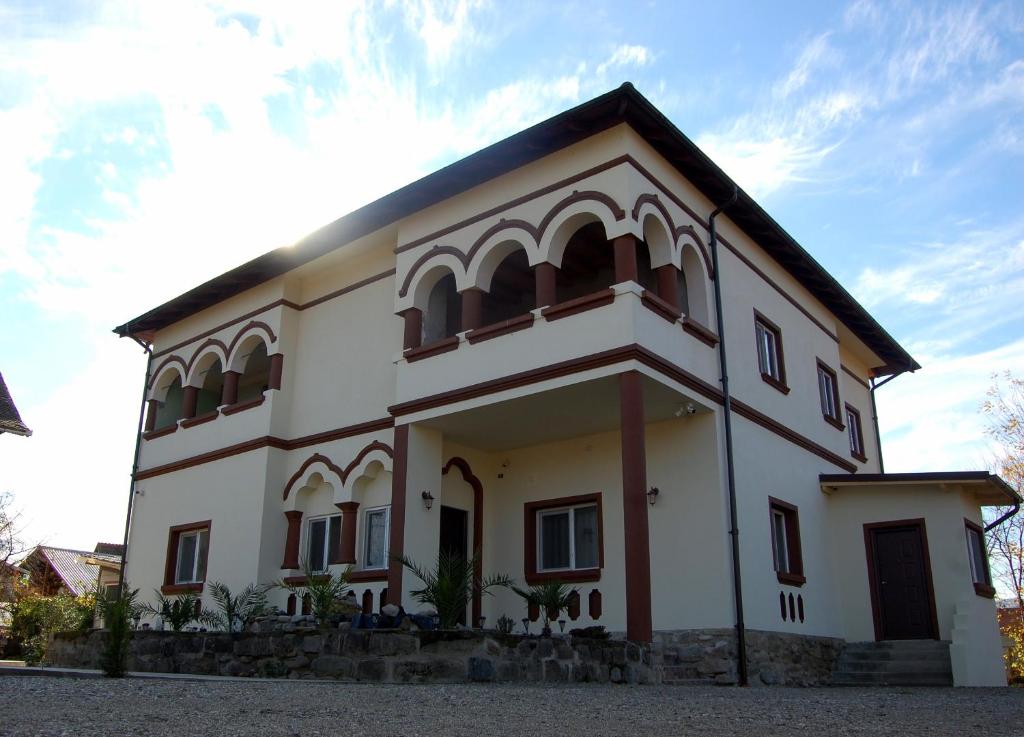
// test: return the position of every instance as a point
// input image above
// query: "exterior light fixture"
(482, 621)
(526, 625)
(561, 625)
(428, 500)
(652, 495)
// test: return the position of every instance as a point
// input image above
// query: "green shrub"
(236, 612)
(449, 586)
(118, 615)
(35, 617)
(325, 591)
(177, 611)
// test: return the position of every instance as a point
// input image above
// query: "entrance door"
(901, 581)
(455, 536)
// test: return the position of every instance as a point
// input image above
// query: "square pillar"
(625, 258)
(276, 371)
(291, 541)
(188, 402)
(229, 395)
(544, 284)
(347, 549)
(634, 508)
(413, 336)
(668, 284)
(151, 409)
(472, 308)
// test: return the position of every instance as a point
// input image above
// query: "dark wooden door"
(455, 536)
(902, 587)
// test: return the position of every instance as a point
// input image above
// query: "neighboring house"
(520, 355)
(10, 420)
(77, 572)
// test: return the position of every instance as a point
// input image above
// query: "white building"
(520, 355)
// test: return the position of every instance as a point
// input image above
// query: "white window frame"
(195, 560)
(829, 393)
(854, 431)
(976, 575)
(364, 537)
(541, 513)
(326, 518)
(768, 349)
(780, 547)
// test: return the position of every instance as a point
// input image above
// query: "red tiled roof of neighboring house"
(70, 565)
(10, 420)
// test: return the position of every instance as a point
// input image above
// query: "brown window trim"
(985, 588)
(512, 325)
(242, 406)
(659, 306)
(578, 305)
(700, 332)
(171, 562)
(371, 574)
(861, 456)
(200, 419)
(530, 509)
(791, 513)
(432, 349)
(160, 432)
(779, 383)
(181, 588)
(836, 422)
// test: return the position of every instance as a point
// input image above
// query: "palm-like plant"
(325, 590)
(451, 583)
(236, 612)
(177, 611)
(552, 598)
(118, 615)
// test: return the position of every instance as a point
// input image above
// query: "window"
(785, 534)
(828, 393)
(192, 552)
(564, 539)
(853, 429)
(978, 558)
(111, 592)
(323, 535)
(769, 352)
(375, 538)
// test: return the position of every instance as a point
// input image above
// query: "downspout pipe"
(874, 415)
(734, 531)
(135, 463)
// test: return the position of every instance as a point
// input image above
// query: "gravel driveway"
(63, 706)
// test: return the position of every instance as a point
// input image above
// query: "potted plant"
(552, 598)
(177, 611)
(324, 589)
(236, 612)
(451, 584)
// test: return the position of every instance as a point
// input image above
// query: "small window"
(111, 592)
(853, 430)
(769, 352)
(375, 538)
(785, 534)
(978, 558)
(828, 393)
(323, 541)
(193, 547)
(567, 539)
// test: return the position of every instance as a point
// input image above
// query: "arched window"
(684, 294)
(512, 290)
(695, 301)
(169, 411)
(212, 389)
(255, 379)
(588, 264)
(645, 275)
(443, 317)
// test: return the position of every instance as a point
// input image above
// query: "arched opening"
(684, 293)
(212, 388)
(588, 264)
(443, 317)
(513, 290)
(693, 293)
(255, 378)
(646, 277)
(169, 411)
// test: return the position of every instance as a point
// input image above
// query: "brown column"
(413, 328)
(348, 531)
(478, 547)
(276, 370)
(151, 408)
(668, 284)
(230, 393)
(396, 540)
(634, 508)
(291, 542)
(625, 258)
(544, 284)
(188, 402)
(472, 308)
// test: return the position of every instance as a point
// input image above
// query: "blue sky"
(145, 148)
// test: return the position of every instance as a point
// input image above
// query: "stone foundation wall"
(694, 656)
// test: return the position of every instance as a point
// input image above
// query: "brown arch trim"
(375, 445)
(163, 364)
(587, 194)
(676, 230)
(315, 458)
(503, 224)
(252, 325)
(200, 350)
(478, 527)
(435, 251)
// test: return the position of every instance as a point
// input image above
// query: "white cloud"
(626, 55)
(815, 55)
(443, 25)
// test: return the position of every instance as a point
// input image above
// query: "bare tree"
(1005, 411)
(11, 545)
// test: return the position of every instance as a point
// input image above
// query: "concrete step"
(894, 666)
(894, 663)
(878, 678)
(903, 645)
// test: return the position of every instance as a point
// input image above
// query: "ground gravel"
(32, 705)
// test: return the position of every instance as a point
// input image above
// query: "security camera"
(690, 409)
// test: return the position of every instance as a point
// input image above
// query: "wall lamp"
(428, 500)
(652, 495)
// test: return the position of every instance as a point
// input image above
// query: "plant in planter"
(552, 598)
(505, 624)
(451, 584)
(236, 612)
(325, 590)
(177, 611)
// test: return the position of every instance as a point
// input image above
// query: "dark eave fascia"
(937, 477)
(622, 105)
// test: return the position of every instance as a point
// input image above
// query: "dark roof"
(621, 105)
(938, 477)
(109, 549)
(72, 566)
(10, 420)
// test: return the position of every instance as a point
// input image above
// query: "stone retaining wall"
(447, 657)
